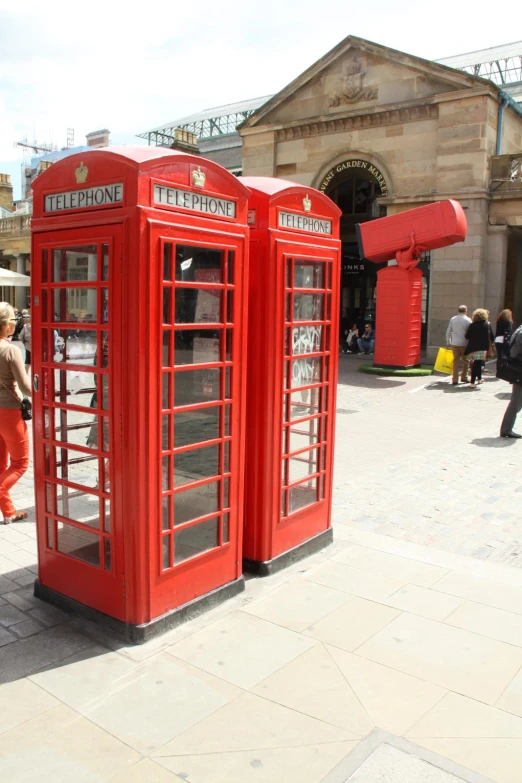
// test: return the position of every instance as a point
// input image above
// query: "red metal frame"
(290, 351)
(140, 585)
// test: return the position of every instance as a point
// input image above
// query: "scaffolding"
(207, 124)
(500, 64)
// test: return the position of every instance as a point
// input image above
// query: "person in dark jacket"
(479, 337)
(503, 331)
(515, 403)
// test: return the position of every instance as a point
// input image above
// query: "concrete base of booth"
(138, 634)
(266, 567)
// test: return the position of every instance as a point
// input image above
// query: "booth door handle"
(36, 383)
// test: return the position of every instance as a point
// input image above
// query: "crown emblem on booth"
(307, 204)
(198, 178)
(81, 173)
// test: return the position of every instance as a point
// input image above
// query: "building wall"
(435, 140)
(6, 192)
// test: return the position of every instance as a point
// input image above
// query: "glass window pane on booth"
(166, 550)
(195, 386)
(75, 346)
(75, 264)
(304, 403)
(107, 553)
(308, 275)
(165, 512)
(167, 261)
(78, 506)
(75, 305)
(302, 495)
(306, 339)
(231, 263)
(165, 433)
(196, 426)
(308, 307)
(303, 465)
(49, 492)
(196, 502)
(198, 305)
(76, 466)
(226, 423)
(306, 371)
(167, 305)
(193, 465)
(194, 540)
(199, 264)
(167, 348)
(196, 346)
(166, 390)
(107, 515)
(49, 530)
(105, 305)
(75, 388)
(226, 528)
(75, 427)
(80, 544)
(105, 262)
(305, 434)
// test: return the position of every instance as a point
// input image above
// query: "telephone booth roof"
(132, 172)
(271, 195)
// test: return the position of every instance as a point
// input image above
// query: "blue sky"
(129, 67)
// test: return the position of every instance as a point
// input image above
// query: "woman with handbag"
(14, 437)
(480, 341)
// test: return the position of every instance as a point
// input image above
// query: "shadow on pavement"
(503, 395)
(493, 443)
(36, 636)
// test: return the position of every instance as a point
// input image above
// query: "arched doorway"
(355, 185)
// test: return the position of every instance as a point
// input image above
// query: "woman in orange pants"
(14, 438)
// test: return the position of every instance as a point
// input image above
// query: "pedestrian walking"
(515, 403)
(480, 339)
(503, 331)
(14, 438)
(456, 341)
(25, 339)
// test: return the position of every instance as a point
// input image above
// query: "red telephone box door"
(76, 342)
(308, 390)
(201, 282)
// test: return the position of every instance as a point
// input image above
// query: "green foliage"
(411, 372)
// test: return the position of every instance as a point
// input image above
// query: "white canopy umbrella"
(13, 278)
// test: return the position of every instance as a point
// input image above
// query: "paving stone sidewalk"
(391, 652)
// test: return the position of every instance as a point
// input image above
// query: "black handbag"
(26, 407)
(510, 370)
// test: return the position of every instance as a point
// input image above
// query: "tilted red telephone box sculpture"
(138, 282)
(404, 237)
(292, 371)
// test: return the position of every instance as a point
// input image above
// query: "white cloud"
(129, 66)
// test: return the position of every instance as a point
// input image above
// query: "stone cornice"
(405, 109)
(416, 198)
(372, 119)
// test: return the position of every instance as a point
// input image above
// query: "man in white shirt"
(456, 340)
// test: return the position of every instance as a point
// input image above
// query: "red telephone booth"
(292, 371)
(138, 267)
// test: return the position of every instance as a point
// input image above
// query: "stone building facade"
(381, 131)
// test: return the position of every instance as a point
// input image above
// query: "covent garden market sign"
(351, 166)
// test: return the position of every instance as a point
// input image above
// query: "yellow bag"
(444, 361)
